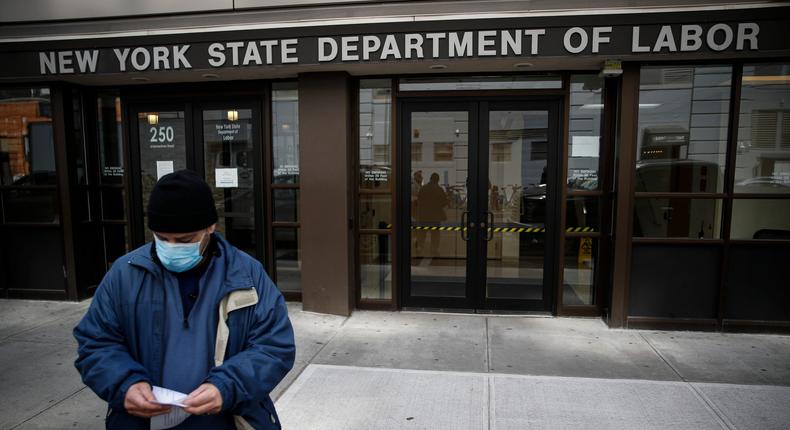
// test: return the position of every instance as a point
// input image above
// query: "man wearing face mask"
(190, 313)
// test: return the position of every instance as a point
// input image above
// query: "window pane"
(163, 148)
(375, 132)
(27, 148)
(582, 214)
(110, 138)
(581, 254)
(481, 83)
(31, 205)
(285, 133)
(287, 259)
(375, 261)
(286, 205)
(584, 144)
(112, 203)
(762, 163)
(760, 219)
(228, 139)
(681, 217)
(115, 242)
(682, 136)
(375, 211)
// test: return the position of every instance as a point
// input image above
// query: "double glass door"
(479, 225)
(220, 141)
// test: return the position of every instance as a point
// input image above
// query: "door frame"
(478, 107)
(195, 152)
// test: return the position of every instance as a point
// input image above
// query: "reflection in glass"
(115, 242)
(375, 211)
(228, 153)
(682, 136)
(286, 205)
(523, 82)
(760, 219)
(27, 149)
(110, 138)
(581, 214)
(375, 259)
(438, 203)
(517, 204)
(287, 259)
(581, 255)
(162, 143)
(112, 204)
(30, 206)
(375, 133)
(584, 143)
(285, 133)
(762, 163)
(677, 217)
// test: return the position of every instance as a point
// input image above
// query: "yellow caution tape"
(500, 229)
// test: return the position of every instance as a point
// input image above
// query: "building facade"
(629, 160)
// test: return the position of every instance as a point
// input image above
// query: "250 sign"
(162, 134)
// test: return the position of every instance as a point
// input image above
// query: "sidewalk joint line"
(84, 387)
(310, 360)
(488, 349)
(723, 420)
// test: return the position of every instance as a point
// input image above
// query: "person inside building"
(431, 202)
(190, 313)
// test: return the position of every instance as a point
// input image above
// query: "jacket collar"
(237, 276)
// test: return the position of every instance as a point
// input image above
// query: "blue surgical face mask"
(178, 257)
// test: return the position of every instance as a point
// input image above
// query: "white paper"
(163, 168)
(227, 177)
(585, 146)
(176, 415)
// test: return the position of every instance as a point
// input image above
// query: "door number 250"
(162, 134)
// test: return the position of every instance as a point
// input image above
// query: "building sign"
(358, 44)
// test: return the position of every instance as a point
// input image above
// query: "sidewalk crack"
(309, 361)
(724, 422)
(48, 408)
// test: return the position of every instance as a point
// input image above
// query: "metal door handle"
(490, 231)
(464, 232)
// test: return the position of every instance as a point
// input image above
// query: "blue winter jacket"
(121, 338)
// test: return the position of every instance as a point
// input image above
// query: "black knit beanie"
(181, 202)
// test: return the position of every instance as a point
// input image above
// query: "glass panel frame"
(682, 128)
(762, 158)
(476, 83)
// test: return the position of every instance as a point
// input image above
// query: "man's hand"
(139, 401)
(206, 399)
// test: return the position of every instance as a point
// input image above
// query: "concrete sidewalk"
(431, 371)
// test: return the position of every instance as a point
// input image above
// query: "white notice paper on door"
(227, 178)
(176, 415)
(163, 168)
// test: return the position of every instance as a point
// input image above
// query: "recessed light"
(210, 75)
(141, 79)
(438, 67)
(522, 65)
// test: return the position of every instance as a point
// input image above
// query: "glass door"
(229, 137)
(520, 152)
(160, 137)
(480, 207)
(219, 140)
(438, 140)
